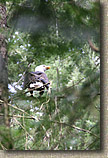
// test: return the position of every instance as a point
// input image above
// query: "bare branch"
(23, 128)
(20, 110)
(77, 128)
(94, 48)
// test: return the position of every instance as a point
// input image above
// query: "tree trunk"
(5, 137)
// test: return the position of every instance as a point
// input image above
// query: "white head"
(42, 68)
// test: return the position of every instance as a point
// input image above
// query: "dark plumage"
(37, 81)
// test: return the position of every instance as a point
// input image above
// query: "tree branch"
(77, 128)
(20, 110)
(24, 128)
(94, 48)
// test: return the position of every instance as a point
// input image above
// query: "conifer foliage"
(65, 36)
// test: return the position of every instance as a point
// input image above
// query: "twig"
(26, 142)
(23, 74)
(87, 148)
(84, 130)
(44, 103)
(36, 88)
(71, 87)
(18, 116)
(2, 146)
(20, 110)
(94, 48)
(57, 79)
(24, 129)
(77, 128)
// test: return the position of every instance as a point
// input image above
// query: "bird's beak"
(48, 67)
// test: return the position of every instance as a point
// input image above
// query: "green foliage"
(55, 33)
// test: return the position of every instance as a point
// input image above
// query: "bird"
(37, 81)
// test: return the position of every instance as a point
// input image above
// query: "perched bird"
(37, 81)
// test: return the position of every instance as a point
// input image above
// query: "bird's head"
(42, 68)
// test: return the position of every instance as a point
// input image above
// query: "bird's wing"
(44, 80)
(41, 77)
(29, 78)
(33, 77)
(37, 73)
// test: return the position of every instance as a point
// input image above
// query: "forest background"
(66, 36)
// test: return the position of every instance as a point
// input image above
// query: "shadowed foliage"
(65, 36)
